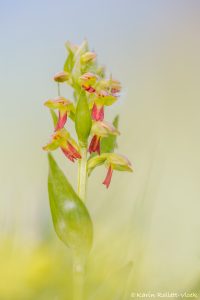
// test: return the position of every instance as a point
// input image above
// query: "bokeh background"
(150, 217)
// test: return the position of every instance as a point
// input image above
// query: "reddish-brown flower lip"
(107, 180)
(62, 119)
(70, 152)
(95, 144)
(97, 112)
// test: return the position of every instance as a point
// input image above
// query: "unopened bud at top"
(72, 48)
(88, 57)
(61, 76)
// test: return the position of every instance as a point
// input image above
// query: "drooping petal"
(97, 112)
(98, 147)
(70, 152)
(107, 180)
(62, 119)
(95, 144)
(74, 152)
(67, 154)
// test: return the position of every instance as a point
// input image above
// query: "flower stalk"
(78, 277)
(82, 174)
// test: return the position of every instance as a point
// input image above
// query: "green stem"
(78, 263)
(78, 278)
(82, 174)
(58, 89)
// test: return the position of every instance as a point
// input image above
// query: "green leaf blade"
(71, 219)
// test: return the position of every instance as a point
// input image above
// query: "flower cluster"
(88, 81)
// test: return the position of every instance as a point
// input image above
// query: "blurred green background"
(150, 217)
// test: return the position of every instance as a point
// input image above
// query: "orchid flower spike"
(62, 139)
(64, 107)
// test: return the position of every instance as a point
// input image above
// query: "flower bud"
(88, 57)
(61, 76)
(72, 48)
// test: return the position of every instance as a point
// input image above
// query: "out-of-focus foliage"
(44, 273)
(40, 273)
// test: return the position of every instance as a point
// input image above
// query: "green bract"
(71, 219)
(83, 121)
